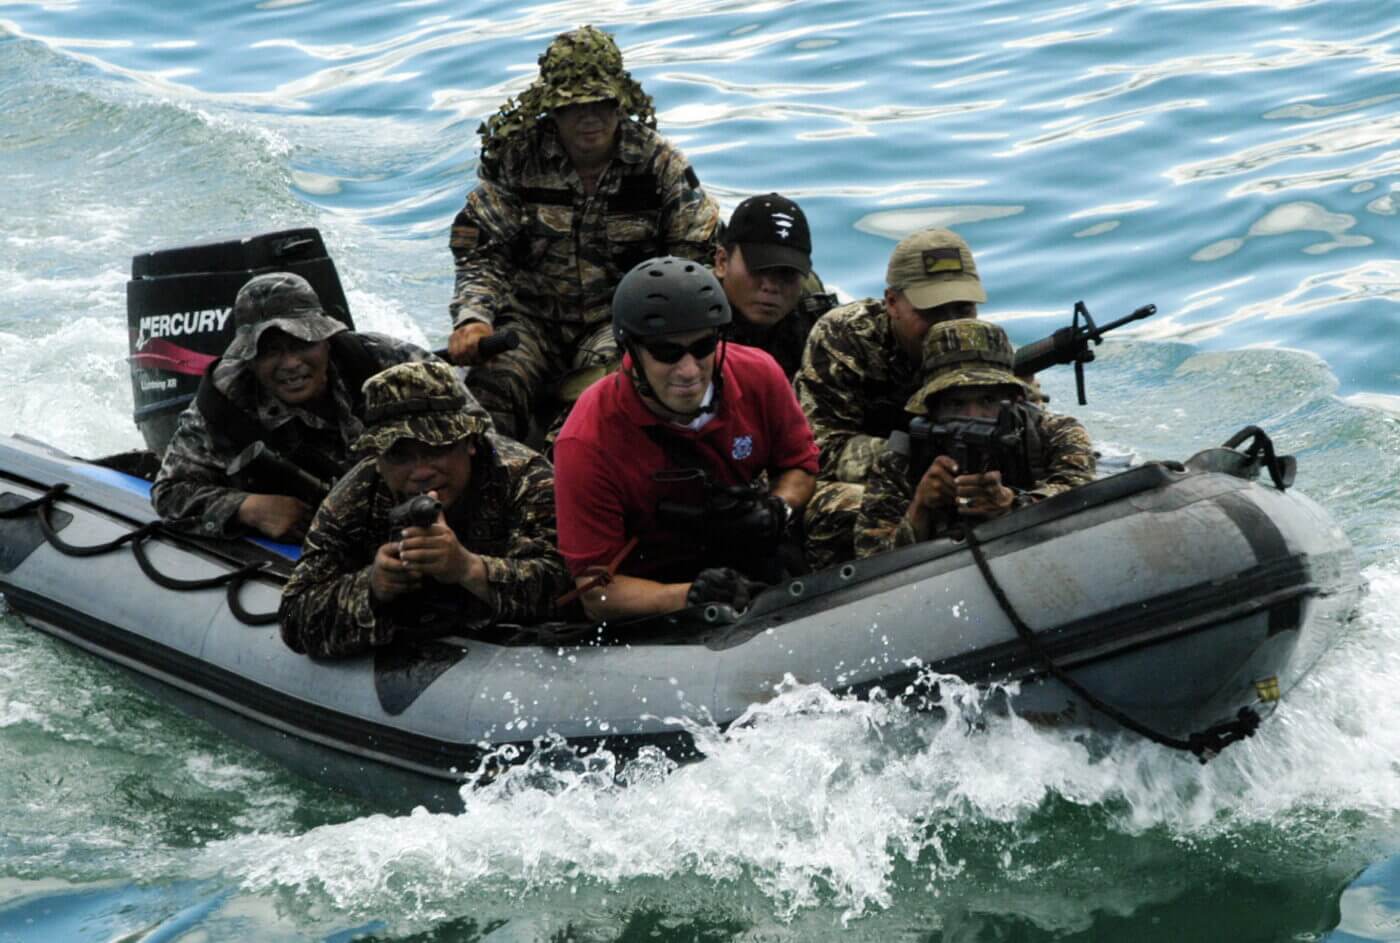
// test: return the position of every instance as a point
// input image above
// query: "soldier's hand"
(983, 495)
(938, 488)
(462, 344)
(436, 552)
(276, 515)
(389, 577)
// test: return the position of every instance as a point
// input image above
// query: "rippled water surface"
(1236, 163)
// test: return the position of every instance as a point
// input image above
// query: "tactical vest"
(883, 403)
(685, 505)
(786, 340)
(636, 195)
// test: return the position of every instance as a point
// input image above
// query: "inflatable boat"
(1180, 601)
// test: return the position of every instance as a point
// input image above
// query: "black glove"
(739, 516)
(723, 586)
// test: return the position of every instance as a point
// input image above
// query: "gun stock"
(489, 346)
(258, 458)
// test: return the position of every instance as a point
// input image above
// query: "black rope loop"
(133, 537)
(137, 537)
(181, 586)
(45, 499)
(235, 605)
(1282, 468)
(1202, 745)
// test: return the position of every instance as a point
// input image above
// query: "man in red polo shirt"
(659, 471)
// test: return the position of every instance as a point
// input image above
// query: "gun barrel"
(1060, 347)
(1146, 311)
(259, 454)
(1067, 345)
(418, 511)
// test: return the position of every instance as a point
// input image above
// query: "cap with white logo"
(772, 231)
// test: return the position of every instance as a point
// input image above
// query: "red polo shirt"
(611, 448)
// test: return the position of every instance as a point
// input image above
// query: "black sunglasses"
(670, 352)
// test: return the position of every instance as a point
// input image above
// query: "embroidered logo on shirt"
(743, 447)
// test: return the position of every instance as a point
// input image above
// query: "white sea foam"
(823, 802)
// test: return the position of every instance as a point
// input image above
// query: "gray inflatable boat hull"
(1179, 595)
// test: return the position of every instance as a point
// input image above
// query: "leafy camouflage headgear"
(582, 65)
(965, 352)
(422, 401)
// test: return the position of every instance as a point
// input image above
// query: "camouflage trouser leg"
(830, 521)
(509, 386)
(595, 357)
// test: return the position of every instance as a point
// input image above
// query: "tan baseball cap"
(933, 267)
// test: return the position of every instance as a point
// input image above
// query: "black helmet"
(667, 295)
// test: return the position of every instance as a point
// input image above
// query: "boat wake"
(823, 806)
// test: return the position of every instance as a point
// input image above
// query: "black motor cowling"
(179, 304)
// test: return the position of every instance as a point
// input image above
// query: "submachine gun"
(261, 462)
(1071, 345)
(421, 510)
(433, 605)
(977, 445)
(735, 525)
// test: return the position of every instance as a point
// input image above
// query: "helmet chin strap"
(644, 389)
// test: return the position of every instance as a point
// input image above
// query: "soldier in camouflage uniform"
(576, 187)
(290, 380)
(966, 374)
(489, 558)
(861, 366)
(764, 261)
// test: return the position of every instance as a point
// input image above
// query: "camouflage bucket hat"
(965, 352)
(421, 401)
(934, 267)
(282, 300)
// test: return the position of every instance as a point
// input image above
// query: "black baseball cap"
(772, 231)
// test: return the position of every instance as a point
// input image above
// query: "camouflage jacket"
(193, 489)
(529, 240)
(853, 386)
(1062, 457)
(786, 340)
(506, 517)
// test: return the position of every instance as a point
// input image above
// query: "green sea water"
(1234, 162)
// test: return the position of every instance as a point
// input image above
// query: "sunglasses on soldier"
(669, 352)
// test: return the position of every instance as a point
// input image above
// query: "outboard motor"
(179, 306)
